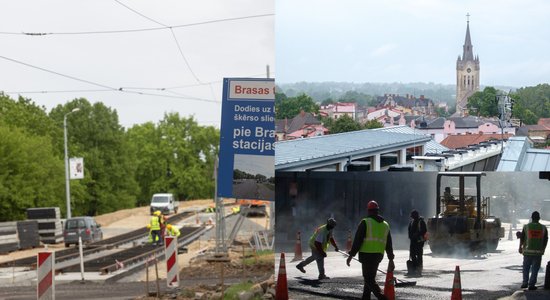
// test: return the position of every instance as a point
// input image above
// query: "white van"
(166, 203)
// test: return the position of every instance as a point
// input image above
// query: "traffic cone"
(348, 243)
(389, 286)
(510, 238)
(281, 291)
(457, 288)
(298, 249)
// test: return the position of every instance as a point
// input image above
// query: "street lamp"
(67, 184)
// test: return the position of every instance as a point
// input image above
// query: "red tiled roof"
(464, 140)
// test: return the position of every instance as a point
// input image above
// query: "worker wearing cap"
(417, 231)
(318, 243)
(172, 230)
(533, 241)
(155, 227)
(371, 239)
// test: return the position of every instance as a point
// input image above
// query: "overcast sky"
(140, 61)
(411, 41)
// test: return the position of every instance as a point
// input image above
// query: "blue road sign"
(246, 158)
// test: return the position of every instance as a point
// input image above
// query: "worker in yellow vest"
(534, 239)
(372, 238)
(318, 243)
(149, 238)
(155, 227)
(172, 230)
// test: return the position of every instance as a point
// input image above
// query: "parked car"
(166, 203)
(85, 227)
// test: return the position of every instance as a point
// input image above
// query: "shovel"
(398, 283)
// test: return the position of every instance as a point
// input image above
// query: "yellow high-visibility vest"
(376, 236)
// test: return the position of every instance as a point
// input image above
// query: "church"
(467, 74)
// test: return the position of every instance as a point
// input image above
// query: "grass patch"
(262, 256)
(232, 292)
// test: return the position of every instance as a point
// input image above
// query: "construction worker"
(172, 230)
(155, 227)
(371, 239)
(163, 220)
(150, 238)
(533, 241)
(417, 231)
(318, 243)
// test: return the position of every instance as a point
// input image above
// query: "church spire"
(468, 54)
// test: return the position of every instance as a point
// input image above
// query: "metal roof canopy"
(333, 149)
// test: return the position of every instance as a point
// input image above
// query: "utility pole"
(67, 179)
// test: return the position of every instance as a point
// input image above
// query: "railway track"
(95, 247)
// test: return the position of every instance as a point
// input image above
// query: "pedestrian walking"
(318, 242)
(533, 241)
(372, 238)
(417, 232)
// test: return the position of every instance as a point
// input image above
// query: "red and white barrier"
(171, 254)
(45, 276)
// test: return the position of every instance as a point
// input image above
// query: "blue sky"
(411, 41)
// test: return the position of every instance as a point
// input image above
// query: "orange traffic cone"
(457, 288)
(298, 249)
(389, 286)
(348, 243)
(281, 291)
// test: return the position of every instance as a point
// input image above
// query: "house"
(538, 134)
(302, 125)
(408, 104)
(339, 109)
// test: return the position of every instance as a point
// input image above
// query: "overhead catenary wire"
(173, 36)
(37, 34)
(109, 88)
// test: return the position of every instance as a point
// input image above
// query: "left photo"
(136, 149)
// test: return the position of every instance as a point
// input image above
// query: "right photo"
(413, 150)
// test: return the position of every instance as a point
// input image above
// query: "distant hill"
(320, 91)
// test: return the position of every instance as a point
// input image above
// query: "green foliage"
(290, 107)
(232, 293)
(372, 124)
(360, 98)
(345, 124)
(31, 175)
(176, 156)
(532, 103)
(484, 103)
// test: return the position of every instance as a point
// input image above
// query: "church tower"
(467, 74)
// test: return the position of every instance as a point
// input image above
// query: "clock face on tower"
(468, 70)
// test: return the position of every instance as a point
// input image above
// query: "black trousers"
(416, 250)
(369, 266)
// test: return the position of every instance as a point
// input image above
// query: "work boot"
(301, 268)
(524, 286)
(532, 288)
(323, 276)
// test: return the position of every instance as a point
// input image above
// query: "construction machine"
(463, 223)
(253, 207)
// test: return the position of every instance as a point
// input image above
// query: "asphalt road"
(249, 189)
(492, 276)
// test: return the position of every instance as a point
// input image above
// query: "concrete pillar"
(375, 163)
(402, 156)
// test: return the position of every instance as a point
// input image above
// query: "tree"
(345, 124)
(372, 124)
(327, 102)
(176, 156)
(95, 134)
(290, 107)
(31, 175)
(359, 98)
(532, 103)
(484, 103)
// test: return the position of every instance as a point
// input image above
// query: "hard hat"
(148, 226)
(372, 205)
(331, 222)
(157, 213)
(169, 227)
